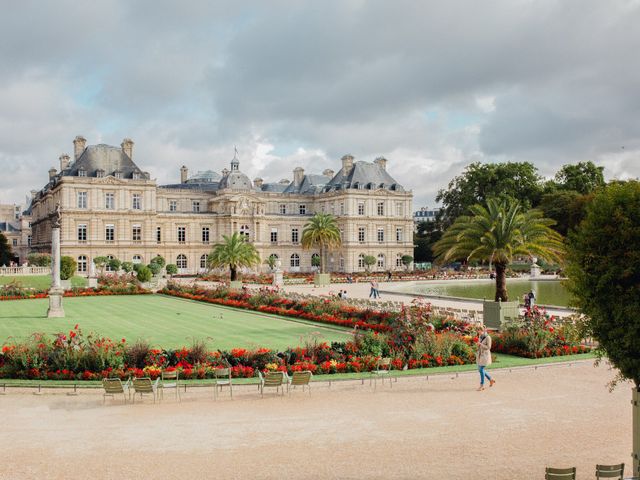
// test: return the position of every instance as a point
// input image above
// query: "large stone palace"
(110, 207)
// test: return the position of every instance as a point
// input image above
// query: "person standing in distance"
(483, 358)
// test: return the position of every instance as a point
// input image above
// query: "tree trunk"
(501, 282)
(321, 258)
(234, 273)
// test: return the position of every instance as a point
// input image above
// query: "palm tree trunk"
(321, 257)
(501, 282)
(234, 273)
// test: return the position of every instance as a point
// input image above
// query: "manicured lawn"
(39, 282)
(165, 321)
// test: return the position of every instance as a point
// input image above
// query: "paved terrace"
(432, 428)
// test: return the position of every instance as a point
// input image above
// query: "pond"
(548, 292)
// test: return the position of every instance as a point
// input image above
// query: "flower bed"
(539, 335)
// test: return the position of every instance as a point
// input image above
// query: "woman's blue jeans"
(483, 374)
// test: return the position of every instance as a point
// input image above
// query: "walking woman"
(483, 357)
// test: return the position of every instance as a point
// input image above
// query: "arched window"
(381, 260)
(82, 263)
(181, 261)
(295, 260)
(399, 260)
(244, 231)
(361, 260)
(108, 266)
(315, 260)
(203, 260)
(137, 259)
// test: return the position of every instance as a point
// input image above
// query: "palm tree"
(498, 232)
(321, 231)
(234, 252)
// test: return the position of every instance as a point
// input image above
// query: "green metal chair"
(299, 379)
(382, 371)
(271, 379)
(222, 378)
(144, 386)
(560, 473)
(114, 386)
(610, 471)
(169, 380)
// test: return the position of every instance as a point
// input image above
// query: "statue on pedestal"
(56, 292)
(278, 279)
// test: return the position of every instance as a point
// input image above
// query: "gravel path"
(438, 427)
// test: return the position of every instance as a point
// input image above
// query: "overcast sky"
(432, 86)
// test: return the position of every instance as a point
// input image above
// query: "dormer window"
(82, 172)
(118, 174)
(136, 176)
(100, 173)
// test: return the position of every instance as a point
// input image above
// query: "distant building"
(16, 226)
(110, 207)
(425, 214)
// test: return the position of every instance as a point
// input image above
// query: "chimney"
(257, 182)
(347, 164)
(328, 172)
(64, 162)
(127, 147)
(184, 173)
(79, 145)
(52, 173)
(298, 175)
(382, 162)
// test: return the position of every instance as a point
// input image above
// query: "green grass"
(39, 282)
(167, 322)
(502, 361)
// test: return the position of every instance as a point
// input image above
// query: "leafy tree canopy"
(5, 251)
(321, 231)
(566, 207)
(582, 177)
(604, 273)
(481, 181)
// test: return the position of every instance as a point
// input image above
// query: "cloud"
(431, 86)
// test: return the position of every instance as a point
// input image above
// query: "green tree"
(497, 233)
(322, 231)
(5, 251)
(481, 181)
(143, 273)
(406, 261)
(428, 233)
(159, 260)
(127, 267)
(39, 259)
(68, 267)
(603, 256)
(114, 264)
(369, 261)
(101, 263)
(582, 177)
(566, 207)
(155, 268)
(234, 252)
(171, 268)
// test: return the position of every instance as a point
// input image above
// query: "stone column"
(56, 292)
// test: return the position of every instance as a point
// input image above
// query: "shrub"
(172, 269)
(127, 267)
(158, 260)
(39, 259)
(155, 268)
(114, 264)
(67, 267)
(144, 274)
(137, 352)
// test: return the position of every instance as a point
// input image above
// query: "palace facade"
(110, 207)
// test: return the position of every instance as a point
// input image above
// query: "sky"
(431, 86)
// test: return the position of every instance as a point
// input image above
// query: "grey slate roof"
(107, 158)
(310, 184)
(8, 227)
(207, 176)
(364, 175)
(205, 186)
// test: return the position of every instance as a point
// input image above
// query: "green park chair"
(169, 380)
(222, 378)
(114, 386)
(271, 380)
(610, 471)
(299, 379)
(382, 371)
(144, 386)
(560, 473)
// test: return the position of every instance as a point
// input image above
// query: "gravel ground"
(435, 427)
